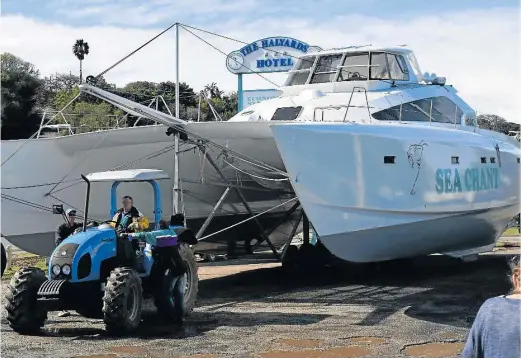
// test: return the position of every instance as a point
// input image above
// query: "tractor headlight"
(56, 269)
(66, 269)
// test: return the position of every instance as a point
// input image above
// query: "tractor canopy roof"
(134, 175)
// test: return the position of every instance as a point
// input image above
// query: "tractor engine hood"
(84, 252)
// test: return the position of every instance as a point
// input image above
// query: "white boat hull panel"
(365, 210)
(48, 161)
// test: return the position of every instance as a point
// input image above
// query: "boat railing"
(401, 113)
(61, 126)
(346, 107)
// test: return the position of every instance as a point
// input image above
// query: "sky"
(475, 44)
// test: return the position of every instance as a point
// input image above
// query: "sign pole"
(239, 92)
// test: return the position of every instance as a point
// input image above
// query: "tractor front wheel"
(122, 302)
(23, 314)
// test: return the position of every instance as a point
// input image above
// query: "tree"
(80, 49)
(493, 123)
(63, 97)
(21, 90)
(212, 90)
(93, 116)
(230, 105)
(187, 96)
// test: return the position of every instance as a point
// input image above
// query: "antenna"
(348, 47)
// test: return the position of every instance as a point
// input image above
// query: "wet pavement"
(419, 310)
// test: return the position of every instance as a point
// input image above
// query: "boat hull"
(377, 192)
(32, 174)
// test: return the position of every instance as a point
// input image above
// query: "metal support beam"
(282, 220)
(243, 200)
(175, 206)
(214, 211)
(306, 228)
(291, 235)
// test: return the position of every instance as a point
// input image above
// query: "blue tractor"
(100, 273)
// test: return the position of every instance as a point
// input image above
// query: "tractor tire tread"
(114, 310)
(22, 314)
(186, 253)
(163, 306)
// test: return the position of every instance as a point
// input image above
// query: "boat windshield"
(351, 66)
(414, 65)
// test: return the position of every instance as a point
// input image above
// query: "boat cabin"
(363, 84)
(341, 70)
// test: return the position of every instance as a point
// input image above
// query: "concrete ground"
(255, 310)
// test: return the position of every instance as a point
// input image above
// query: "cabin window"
(387, 67)
(414, 65)
(286, 113)
(326, 69)
(379, 69)
(443, 111)
(306, 63)
(300, 75)
(397, 67)
(355, 67)
(299, 78)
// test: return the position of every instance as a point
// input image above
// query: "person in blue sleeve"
(166, 242)
(495, 332)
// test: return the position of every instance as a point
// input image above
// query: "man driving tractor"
(129, 217)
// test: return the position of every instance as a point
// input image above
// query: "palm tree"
(80, 49)
(212, 90)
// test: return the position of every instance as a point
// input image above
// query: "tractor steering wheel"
(109, 221)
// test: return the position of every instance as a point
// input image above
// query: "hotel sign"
(272, 54)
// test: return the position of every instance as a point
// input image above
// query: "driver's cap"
(70, 212)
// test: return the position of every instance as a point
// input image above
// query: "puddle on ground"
(434, 350)
(303, 343)
(338, 352)
(128, 350)
(369, 340)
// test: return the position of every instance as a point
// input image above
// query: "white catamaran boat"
(387, 163)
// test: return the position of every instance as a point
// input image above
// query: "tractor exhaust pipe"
(87, 197)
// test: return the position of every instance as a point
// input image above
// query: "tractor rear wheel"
(23, 314)
(192, 279)
(164, 296)
(122, 302)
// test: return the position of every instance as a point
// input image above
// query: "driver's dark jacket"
(64, 231)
